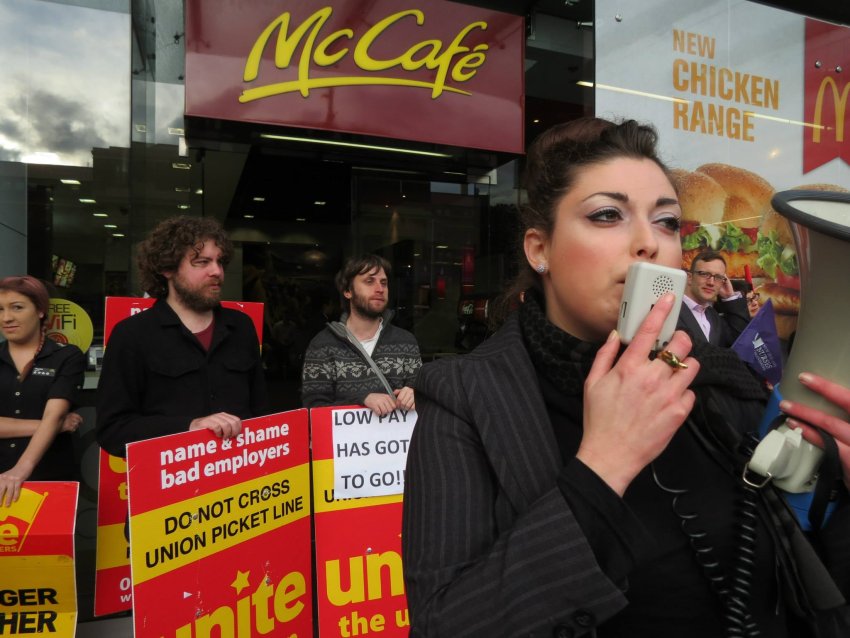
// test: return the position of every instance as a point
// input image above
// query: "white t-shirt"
(369, 344)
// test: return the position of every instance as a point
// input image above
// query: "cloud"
(60, 124)
(75, 91)
(9, 155)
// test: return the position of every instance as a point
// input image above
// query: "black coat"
(156, 376)
(490, 544)
(726, 325)
(57, 374)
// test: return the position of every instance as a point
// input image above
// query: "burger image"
(722, 206)
(777, 258)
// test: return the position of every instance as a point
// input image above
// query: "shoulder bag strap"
(359, 346)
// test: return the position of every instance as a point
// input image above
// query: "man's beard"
(196, 299)
(361, 305)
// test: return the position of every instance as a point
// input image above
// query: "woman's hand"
(803, 417)
(10, 483)
(71, 422)
(632, 408)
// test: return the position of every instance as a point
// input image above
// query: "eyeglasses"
(753, 297)
(720, 279)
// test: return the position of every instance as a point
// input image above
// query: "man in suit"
(707, 285)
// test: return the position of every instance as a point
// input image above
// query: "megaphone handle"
(828, 476)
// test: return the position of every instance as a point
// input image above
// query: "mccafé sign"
(827, 91)
(430, 70)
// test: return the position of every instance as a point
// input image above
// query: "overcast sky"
(64, 81)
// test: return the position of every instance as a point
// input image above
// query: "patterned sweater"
(335, 372)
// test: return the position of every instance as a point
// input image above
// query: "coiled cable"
(733, 591)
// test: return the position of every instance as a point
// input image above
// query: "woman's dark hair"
(167, 244)
(31, 288)
(358, 266)
(553, 163)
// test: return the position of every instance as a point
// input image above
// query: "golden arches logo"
(454, 61)
(24, 510)
(839, 101)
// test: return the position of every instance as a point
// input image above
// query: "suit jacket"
(726, 325)
(490, 545)
(505, 511)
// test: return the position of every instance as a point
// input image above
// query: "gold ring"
(671, 360)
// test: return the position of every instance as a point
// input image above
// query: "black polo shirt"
(57, 374)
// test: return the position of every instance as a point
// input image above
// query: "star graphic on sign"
(241, 581)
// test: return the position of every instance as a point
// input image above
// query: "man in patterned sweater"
(336, 369)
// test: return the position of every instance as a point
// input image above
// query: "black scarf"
(565, 360)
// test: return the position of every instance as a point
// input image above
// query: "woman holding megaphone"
(560, 483)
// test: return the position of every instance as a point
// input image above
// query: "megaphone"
(820, 224)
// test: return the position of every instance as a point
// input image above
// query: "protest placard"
(38, 591)
(220, 528)
(359, 576)
(370, 451)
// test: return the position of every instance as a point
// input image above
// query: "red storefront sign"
(827, 91)
(431, 71)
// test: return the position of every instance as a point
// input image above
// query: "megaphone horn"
(820, 224)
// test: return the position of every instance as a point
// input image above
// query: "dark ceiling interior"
(582, 10)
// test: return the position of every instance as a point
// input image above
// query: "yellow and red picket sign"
(359, 575)
(221, 529)
(113, 589)
(38, 593)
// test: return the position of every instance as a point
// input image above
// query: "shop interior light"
(319, 203)
(199, 191)
(301, 219)
(786, 121)
(248, 216)
(70, 182)
(373, 169)
(182, 189)
(110, 226)
(619, 89)
(87, 200)
(100, 214)
(259, 199)
(117, 234)
(183, 166)
(184, 206)
(371, 147)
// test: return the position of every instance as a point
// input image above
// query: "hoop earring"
(540, 269)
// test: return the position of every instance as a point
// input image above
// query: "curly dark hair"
(552, 166)
(167, 244)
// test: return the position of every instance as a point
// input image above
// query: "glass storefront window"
(64, 90)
